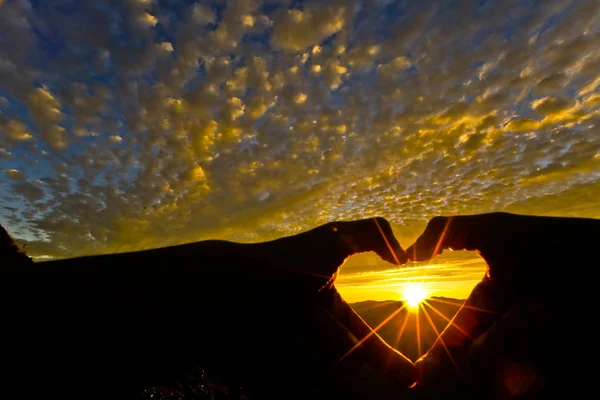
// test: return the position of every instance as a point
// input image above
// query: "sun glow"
(413, 294)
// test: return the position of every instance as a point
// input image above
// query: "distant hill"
(375, 312)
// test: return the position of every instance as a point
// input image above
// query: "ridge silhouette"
(111, 325)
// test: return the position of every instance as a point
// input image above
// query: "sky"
(134, 124)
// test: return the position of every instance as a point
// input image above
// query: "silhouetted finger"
(371, 234)
(432, 241)
(448, 356)
(313, 257)
(519, 352)
(462, 232)
(335, 372)
(370, 345)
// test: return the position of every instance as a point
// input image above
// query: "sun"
(413, 294)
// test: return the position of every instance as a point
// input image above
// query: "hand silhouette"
(510, 338)
(122, 322)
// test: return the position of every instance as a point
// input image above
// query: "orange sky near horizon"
(452, 274)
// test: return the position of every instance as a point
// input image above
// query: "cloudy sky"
(132, 124)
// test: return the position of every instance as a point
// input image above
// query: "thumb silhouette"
(517, 248)
(315, 256)
(456, 233)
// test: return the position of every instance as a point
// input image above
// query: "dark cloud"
(30, 191)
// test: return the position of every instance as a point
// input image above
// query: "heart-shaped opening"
(411, 305)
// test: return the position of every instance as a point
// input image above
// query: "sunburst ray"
(448, 320)
(401, 331)
(457, 304)
(373, 331)
(441, 239)
(440, 338)
(389, 246)
(419, 353)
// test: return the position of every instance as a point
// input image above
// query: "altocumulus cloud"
(131, 124)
